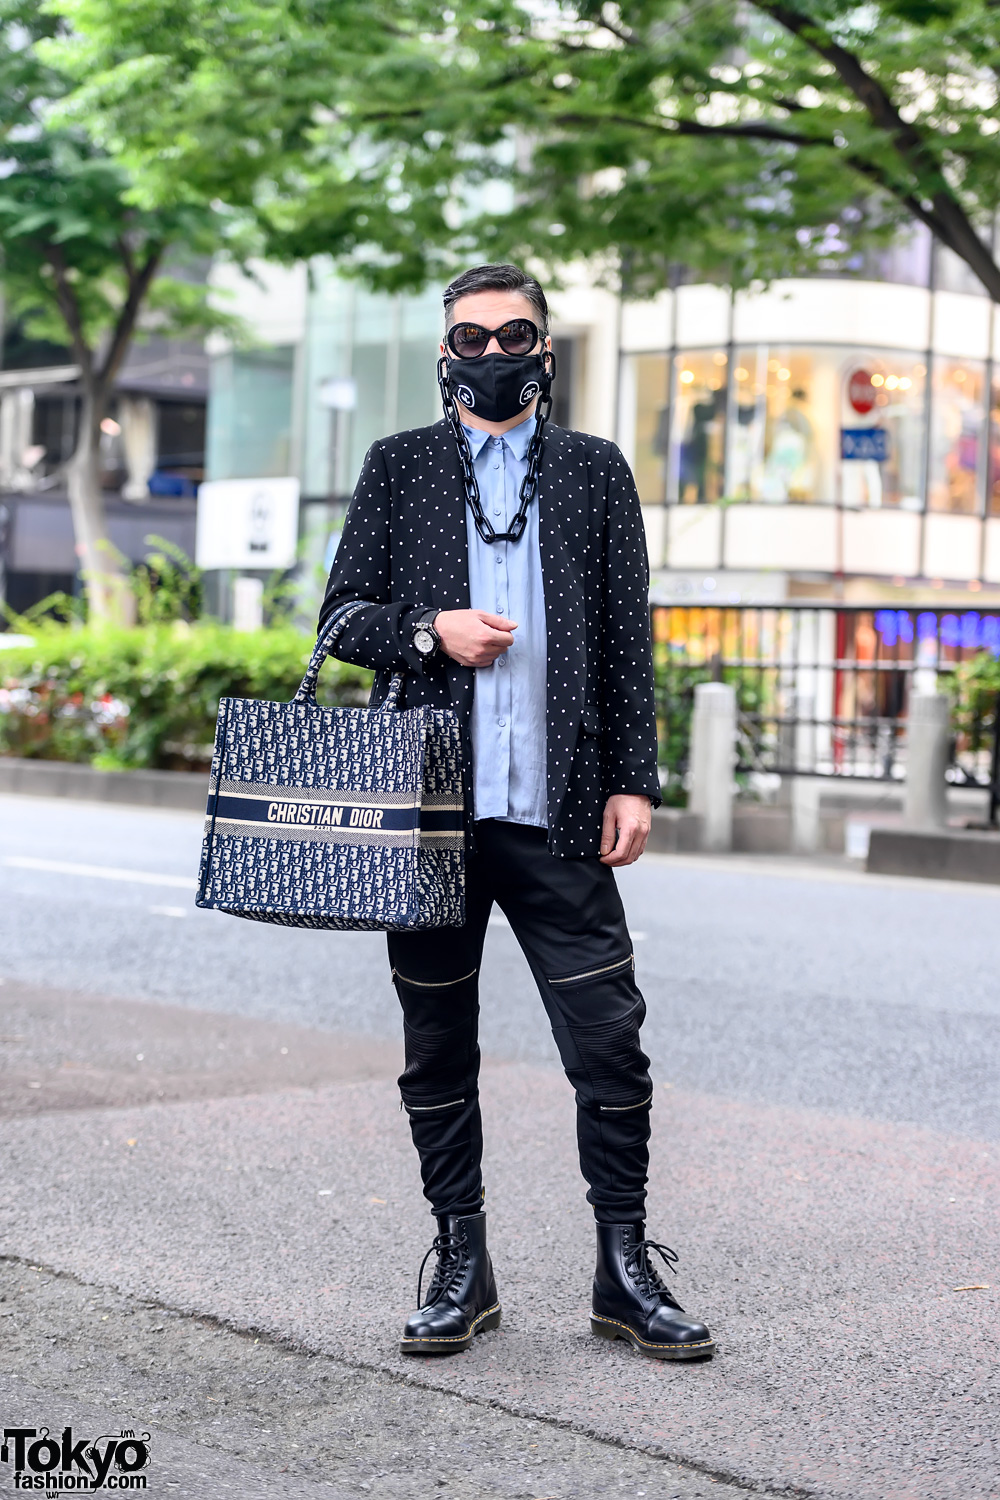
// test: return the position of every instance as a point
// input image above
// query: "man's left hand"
(631, 817)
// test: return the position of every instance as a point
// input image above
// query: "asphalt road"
(772, 982)
(210, 1223)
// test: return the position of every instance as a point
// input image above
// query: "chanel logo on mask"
(466, 397)
(529, 392)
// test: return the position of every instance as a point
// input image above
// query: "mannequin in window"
(790, 464)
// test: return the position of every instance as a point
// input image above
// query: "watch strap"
(425, 621)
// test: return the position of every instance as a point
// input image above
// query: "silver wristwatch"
(426, 640)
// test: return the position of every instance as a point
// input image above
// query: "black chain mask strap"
(529, 484)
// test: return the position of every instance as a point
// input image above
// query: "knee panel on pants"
(601, 1011)
(613, 1063)
(440, 1026)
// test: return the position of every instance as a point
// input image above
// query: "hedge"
(148, 697)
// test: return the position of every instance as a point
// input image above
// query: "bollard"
(927, 734)
(805, 788)
(805, 815)
(713, 753)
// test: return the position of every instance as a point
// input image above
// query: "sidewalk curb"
(184, 790)
(938, 854)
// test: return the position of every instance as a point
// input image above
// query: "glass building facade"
(821, 429)
(822, 421)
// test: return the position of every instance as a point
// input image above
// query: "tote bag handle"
(325, 643)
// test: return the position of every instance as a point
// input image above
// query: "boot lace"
(646, 1273)
(452, 1251)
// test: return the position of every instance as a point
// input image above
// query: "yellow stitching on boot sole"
(455, 1338)
(702, 1344)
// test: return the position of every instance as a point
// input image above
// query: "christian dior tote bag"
(346, 818)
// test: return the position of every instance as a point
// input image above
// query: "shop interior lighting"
(959, 376)
(720, 359)
(111, 427)
(784, 374)
(742, 374)
(687, 376)
(905, 382)
(919, 370)
(891, 382)
(878, 380)
(774, 364)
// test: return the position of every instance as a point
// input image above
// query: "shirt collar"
(517, 439)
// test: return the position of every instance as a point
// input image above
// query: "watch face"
(424, 642)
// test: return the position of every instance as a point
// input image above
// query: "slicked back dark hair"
(499, 278)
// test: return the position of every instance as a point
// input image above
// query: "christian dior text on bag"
(348, 818)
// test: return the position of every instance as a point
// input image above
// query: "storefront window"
(643, 405)
(826, 424)
(958, 448)
(697, 431)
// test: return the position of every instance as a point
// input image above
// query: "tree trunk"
(109, 597)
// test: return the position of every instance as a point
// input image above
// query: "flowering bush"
(148, 697)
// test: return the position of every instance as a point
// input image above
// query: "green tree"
(96, 224)
(743, 139)
(82, 265)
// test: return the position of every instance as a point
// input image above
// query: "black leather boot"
(462, 1297)
(631, 1301)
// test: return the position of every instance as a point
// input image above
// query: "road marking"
(168, 911)
(99, 872)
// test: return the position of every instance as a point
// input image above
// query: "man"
(505, 564)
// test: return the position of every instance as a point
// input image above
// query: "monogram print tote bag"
(348, 818)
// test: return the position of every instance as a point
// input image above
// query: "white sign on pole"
(247, 523)
(339, 393)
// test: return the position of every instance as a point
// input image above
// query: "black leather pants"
(567, 916)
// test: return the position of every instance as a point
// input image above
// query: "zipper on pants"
(615, 968)
(437, 984)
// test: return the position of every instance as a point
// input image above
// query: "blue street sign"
(870, 443)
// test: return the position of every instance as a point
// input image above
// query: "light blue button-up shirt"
(505, 578)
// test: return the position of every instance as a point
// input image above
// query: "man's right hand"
(473, 637)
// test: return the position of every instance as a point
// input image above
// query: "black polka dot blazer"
(404, 548)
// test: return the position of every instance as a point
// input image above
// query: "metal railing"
(824, 691)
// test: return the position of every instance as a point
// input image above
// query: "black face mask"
(498, 386)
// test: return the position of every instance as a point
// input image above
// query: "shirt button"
(502, 723)
(499, 561)
(496, 510)
(501, 661)
(496, 466)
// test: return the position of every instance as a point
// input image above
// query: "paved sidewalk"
(232, 1414)
(825, 1254)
